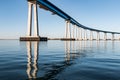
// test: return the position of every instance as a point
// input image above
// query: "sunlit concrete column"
(86, 37)
(105, 36)
(73, 31)
(76, 32)
(29, 30)
(85, 34)
(69, 26)
(66, 29)
(113, 37)
(36, 30)
(98, 36)
(81, 34)
(91, 35)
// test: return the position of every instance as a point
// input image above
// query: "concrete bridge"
(81, 30)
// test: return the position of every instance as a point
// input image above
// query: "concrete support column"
(105, 36)
(67, 30)
(91, 35)
(36, 30)
(29, 32)
(73, 31)
(113, 37)
(98, 36)
(81, 34)
(76, 33)
(85, 34)
(69, 26)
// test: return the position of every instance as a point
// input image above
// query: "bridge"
(69, 34)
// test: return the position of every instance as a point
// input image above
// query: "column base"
(68, 39)
(31, 38)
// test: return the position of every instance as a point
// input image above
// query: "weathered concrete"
(68, 39)
(33, 38)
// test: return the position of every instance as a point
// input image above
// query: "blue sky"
(98, 14)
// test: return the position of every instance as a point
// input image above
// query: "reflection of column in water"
(91, 44)
(73, 49)
(79, 47)
(33, 70)
(35, 65)
(84, 45)
(29, 59)
(67, 50)
(113, 46)
(98, 44)
(105, 45)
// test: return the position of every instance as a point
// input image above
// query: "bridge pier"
(76, 32)
(98, 36)
(68, 31)
(29, 19)
(91, 35)
(32, 5)
(85, 34)
(73, 31)
(81, 34)
(36, 30)
(113, 37)
(36, 37)
(105, 36)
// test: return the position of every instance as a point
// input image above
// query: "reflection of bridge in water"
(73, 50)
(81, 30)
(33, 67)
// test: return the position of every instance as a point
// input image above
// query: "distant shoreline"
(9, 39)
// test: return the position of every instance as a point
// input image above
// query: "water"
(59, 60)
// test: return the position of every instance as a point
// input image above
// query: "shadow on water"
(32, 66)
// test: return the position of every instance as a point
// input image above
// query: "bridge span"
(81, 30)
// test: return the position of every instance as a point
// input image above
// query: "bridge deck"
(45, 4)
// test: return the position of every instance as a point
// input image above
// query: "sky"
(98, 14)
